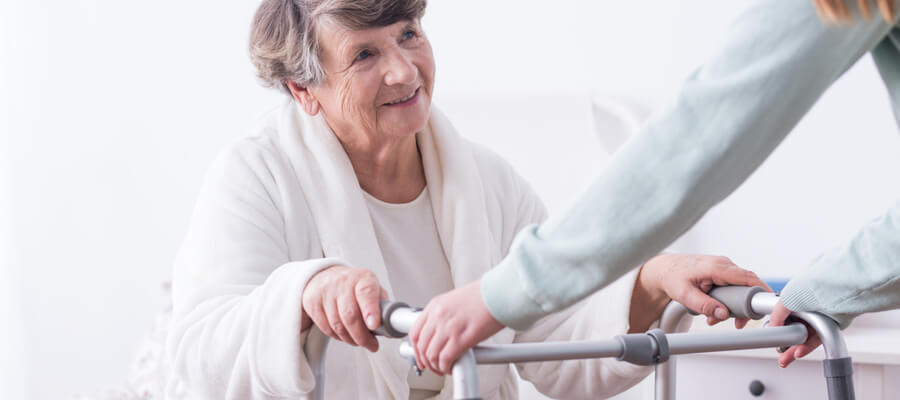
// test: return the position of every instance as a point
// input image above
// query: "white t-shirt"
(416, 264)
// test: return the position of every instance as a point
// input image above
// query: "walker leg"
(837, 364)
(664, 379)
(465, 377)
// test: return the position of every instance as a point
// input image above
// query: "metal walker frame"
(655, 347)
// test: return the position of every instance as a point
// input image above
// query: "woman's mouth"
(409, 99)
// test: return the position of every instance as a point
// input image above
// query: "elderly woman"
(358, 189)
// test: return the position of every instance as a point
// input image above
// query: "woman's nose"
(401, 70)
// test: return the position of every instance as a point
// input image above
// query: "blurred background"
(111, 111)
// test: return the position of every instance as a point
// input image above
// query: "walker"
(655, 347)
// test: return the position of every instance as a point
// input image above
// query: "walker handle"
(737, 299)
(387, 328)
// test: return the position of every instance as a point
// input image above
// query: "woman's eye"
(363, 55)
(409, 35)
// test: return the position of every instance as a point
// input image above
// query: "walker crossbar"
(654, 347)
(679, 343)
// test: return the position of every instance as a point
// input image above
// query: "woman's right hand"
(344, 303)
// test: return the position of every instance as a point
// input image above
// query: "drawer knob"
(757, 388)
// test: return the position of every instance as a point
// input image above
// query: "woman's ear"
(304, 97)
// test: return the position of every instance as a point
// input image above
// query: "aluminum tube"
(679, 343)
(763, 303)
(403, 319)
(702, 342)
(828, 331)
(465, 373)
(838, 365)
(665, 380)
(465, 377)
(546, 351)
(672, 316)
(665, 372)
(406, 350)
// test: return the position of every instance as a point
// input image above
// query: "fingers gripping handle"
(317, 343)
(737, 299)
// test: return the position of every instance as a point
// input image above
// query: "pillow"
(616, 119)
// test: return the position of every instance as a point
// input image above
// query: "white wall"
(833, 173)
(12, 375)
(119, 107)
(116, 108)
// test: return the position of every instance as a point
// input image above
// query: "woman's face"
(378, 81)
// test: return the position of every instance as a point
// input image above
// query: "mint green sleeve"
(728, 117)
(860, 276)
(864, 274)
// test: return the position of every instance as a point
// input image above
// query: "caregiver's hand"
(451, 324)
(686, 278)
(778, 317)
(343, 302)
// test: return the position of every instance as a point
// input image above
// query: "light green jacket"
(729, 116)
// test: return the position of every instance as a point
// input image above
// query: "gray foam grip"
(737, 299)
(388, 307)
(662, 345)
(637, 348)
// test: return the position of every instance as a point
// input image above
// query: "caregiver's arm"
(237, 329)
(729, 116)
(860, 276)
(452, 322)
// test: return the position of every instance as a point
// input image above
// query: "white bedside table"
(727, 375)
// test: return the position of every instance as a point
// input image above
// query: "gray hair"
(283, 42)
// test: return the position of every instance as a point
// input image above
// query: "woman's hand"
(344, 303)
(686, 278)
(451, 324)
(779, 315)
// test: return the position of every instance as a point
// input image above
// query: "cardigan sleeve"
(728, 117)
(235, 332)
(861, 276)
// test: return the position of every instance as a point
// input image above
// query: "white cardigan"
(280, 206)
